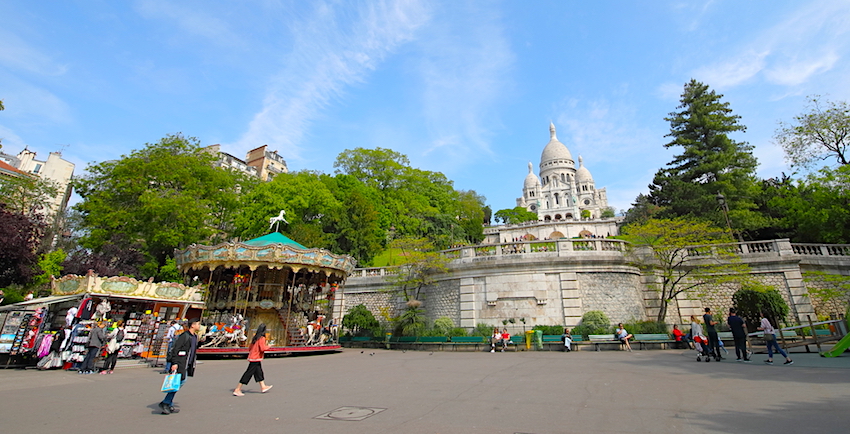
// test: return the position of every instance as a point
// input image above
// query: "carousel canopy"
(274, 250)
(274, 238)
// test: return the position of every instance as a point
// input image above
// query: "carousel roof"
(274, 250)
(274, 238)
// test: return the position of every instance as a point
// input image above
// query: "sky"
(465, 88)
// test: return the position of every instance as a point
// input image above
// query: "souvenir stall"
(273, 280)
(78, 302)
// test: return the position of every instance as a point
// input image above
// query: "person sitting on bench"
(623, 336)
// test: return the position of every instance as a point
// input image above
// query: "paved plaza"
(447, 392)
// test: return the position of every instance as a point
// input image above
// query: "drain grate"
(350, 413)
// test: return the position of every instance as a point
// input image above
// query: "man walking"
(713, 341)
(182, 361)
(739, 334)
(169, 338)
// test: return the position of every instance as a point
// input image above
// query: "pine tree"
(710, 163)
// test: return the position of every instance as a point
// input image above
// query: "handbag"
(769, 337)
(171, 383)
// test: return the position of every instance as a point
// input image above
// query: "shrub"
(755, 298)
(550, 330)
(482, 329)
(360, 322)
(443, 325)
(412, 322)
(648, 327)
(456, 331)
(593, 322)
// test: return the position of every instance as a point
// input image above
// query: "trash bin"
(528, 338)
(538, 340)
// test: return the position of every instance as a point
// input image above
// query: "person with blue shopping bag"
(182, 359)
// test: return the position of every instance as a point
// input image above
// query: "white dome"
(582, 174)
(555, 150)
(531, 180)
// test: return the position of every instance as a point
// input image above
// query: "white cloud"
(795, 71)
(602, 131)
(734, 71)
(12, 143)
(328, 56)
(33, 104)
(808, 42)
(195, 20)
(17, 54)
(465, 63)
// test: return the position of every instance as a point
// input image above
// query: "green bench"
(642, 339)
(598, 340)
(475, 341)
(430, 341)
(823, 332)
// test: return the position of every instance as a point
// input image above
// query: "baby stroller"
(703, 350)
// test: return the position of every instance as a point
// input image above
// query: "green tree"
(516, 215)
(306, 200)
(685, 256)
(21, 237)
(642, 210)
(50, 264)
(360, 322)
(817, 209)
(822, 133)
(418, 264)
(165, 196)
(710, 163)
(754, 298)
(354, 225)
(28, 195)
(379, 167)
(608, 212)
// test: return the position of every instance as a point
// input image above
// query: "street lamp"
(721, 200)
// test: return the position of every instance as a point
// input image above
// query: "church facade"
(562, 191)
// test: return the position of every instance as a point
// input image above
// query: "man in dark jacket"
(97, 338)
(182, 359)
(739, 333)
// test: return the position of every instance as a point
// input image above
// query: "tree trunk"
(662, 311)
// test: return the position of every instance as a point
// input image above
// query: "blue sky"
(465, 88)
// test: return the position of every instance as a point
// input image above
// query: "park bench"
(598, 340)
(430, 342)
(556, 341)
(456, 341)
(402, 342)
(642, 339)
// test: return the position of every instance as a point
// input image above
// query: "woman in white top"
(770, 340)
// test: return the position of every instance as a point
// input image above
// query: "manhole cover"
(350, 413)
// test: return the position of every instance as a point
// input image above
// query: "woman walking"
(770, 340)
(113, 347)
(255, 358)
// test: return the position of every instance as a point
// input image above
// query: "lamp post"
(721, 200)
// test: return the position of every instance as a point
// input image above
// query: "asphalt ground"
(380, 391)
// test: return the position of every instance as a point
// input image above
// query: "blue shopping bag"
(171, 383)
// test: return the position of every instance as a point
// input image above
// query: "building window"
(563, 178)
(37, 168)
(557, 202)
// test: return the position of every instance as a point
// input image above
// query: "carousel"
(273, 280)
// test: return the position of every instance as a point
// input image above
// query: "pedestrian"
(494, 340)
(29, 296)
(173, 328)
(678, 336)
(506, 337)
(113, 347)
(770, 340)
(711, 331)
(624, 336)
(255, 362)
(739, 335)
(568, 340)
(182, 361)
(97, 338)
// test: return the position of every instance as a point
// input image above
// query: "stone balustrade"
(566, 247)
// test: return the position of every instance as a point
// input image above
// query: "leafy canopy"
(710, 162)
(821, 133)
(165, 196)
(685, 256)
